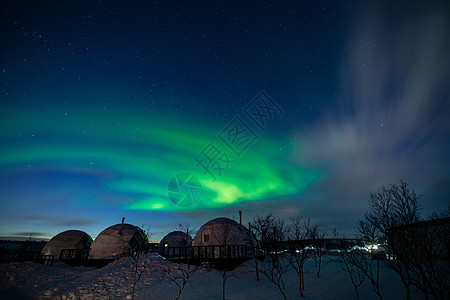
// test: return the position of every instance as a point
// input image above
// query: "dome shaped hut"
(119, 240)
(221, 237)
(221, 231)
(175, 244)
(176, 239)
(67, 240)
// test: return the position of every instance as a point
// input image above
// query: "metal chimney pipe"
(240, 217)
(123, 219)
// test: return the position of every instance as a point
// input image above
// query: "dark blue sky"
(104, 102)
(216, 52)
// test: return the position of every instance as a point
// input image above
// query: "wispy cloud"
(394, 119)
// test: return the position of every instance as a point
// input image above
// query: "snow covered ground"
(35, 281)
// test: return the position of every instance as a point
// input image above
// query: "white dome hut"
(221, 238)
(70, 239)
(119, 240)
(175, 244)
(176, 239)
(221, 231)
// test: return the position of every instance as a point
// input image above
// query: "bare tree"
(423, 248)
(225, 236)
(133, 251)
(270, 232)
(445, 213)
(139, 265)
(300, 230)
(365, 261)
(255, 248)
(394, 218)
(390, 207)
(436, 263)
(349, 265)
(318, 235)
(259, 237)
(188, 233)
(181, 273)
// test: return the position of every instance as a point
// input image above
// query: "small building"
(175, 244)
(68, 240)
(119, 240)
(429, 237)
(222, 238)
(221, 231)
(176, 239)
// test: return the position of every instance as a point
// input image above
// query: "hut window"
(206, 237)
(166, 243)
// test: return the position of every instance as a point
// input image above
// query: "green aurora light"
(140, 156)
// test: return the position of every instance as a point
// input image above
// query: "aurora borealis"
(126, 164)
(103, 103)
(137, 163)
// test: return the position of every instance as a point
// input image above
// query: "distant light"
(372, 246)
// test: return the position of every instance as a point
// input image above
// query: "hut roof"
(118, 240)
(70, 239)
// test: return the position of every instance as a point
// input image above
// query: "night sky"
(179, 112)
